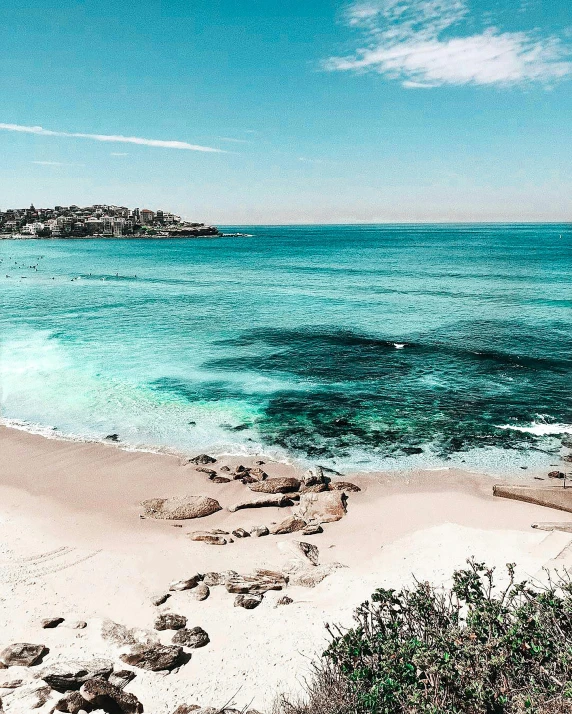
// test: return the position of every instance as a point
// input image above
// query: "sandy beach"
(73, 546)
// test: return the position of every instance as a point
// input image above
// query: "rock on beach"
(276, 485)
(180, 507)
(208, 537)
(170, 621)
(202, 459)
(321, 507)
(186, 584)
(248, 602)
(193, 638)
(109, 697)
(66, 675)
(289, 525)
(152, 657)
(277, 500)
(22, 654)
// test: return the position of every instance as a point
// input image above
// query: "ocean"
(367, 347)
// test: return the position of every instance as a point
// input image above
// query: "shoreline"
(73, 545)
(505, 460)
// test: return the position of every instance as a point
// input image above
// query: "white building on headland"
(31, 229)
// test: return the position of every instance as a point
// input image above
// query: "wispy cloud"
(310, 161)
(119, 153)
(234, 141)
(414, 41)
(50, 163)
(38, 130)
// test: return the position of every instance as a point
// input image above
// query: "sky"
(299, 111)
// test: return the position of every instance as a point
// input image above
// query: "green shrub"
(472, 649)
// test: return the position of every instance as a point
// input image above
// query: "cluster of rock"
(93, 685)
(86, 685)
(315, 499)
(303, 568)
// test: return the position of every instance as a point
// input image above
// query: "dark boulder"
(194, 638)
(170, 621)
(112, 699)
(22, 654)
(72, 703)
(248, 602)
(202, 459)
(71, 674)
(121, 678)
(152, 657)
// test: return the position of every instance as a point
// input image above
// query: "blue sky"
(258, 111)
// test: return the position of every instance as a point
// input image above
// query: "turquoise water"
(371, 346)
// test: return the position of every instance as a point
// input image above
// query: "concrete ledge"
(551, 497)
(563, 527)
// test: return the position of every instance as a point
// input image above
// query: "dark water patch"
(332, 425)
(344, 356)
(336, 355)
(450, 390)
(200, 391)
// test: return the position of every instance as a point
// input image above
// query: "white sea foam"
(540, 428)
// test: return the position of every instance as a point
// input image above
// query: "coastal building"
(93, 225)
(113, 226)
(99, 219)
(31, 229)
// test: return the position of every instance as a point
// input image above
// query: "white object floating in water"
(399, 345)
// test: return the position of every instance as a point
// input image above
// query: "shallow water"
(370, 346)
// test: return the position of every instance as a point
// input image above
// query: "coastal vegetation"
(473, 649)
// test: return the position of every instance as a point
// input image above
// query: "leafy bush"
(472, 649)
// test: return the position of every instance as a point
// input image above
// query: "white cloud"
(54, 163)
(110, 138)
(119, 153)
(405, 42)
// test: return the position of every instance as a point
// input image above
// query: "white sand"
(72, 545)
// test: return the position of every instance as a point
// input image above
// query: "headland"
(97, 221)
